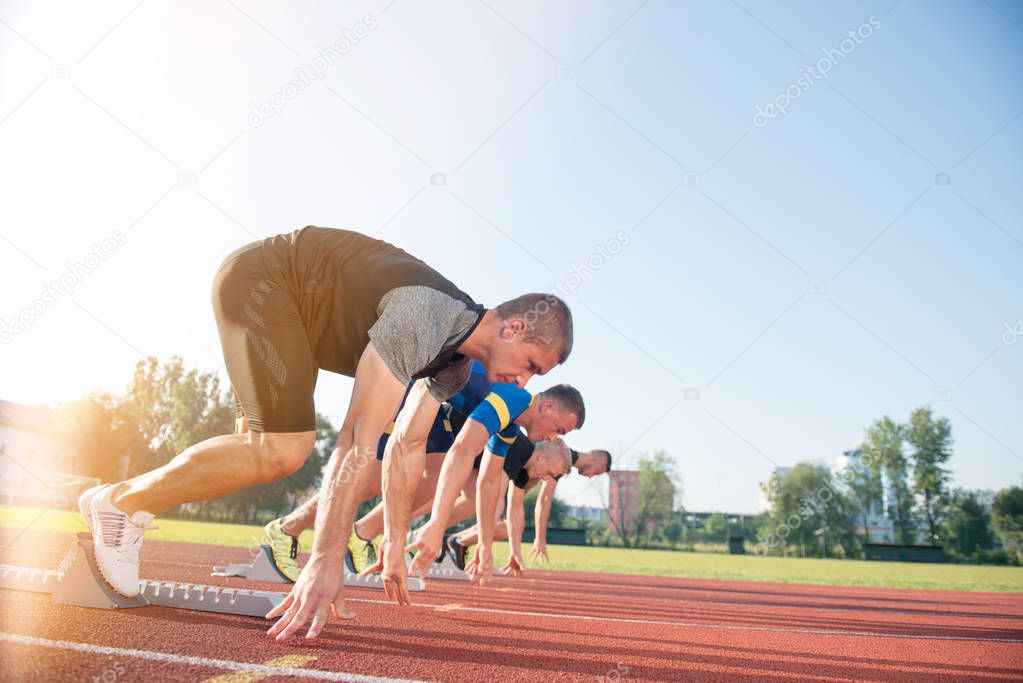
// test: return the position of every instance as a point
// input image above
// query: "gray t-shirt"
(415, 324)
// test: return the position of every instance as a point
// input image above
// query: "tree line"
(818, 512)
(166, 408)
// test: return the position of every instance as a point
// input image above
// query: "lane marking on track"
(761, 606)
(291, 661)
(188, 660)
(451, 607)
(723, 627)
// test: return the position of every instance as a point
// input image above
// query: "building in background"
(880, 527)
(33, 470)
(585, 513)
(624, 497)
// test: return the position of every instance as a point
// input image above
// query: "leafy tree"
(865, 488)
(883, 447)
(673, 530)
(804, 502)
(966, 527)
(886, 439)
(97, 435)
(658, 488)
(559, 511)
(932, 440)
(715, 528)
(1007, 519)
(174, 408)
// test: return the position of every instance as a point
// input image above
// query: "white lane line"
(724, 627)
(187, 660)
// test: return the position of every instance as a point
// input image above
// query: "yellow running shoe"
(284, 549)
(363, 554)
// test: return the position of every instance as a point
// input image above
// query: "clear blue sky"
(799, 274)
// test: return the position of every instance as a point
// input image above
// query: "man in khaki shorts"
(285, 307)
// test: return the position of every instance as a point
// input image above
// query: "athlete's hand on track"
(317, 595)
(391, 564)
(482, 566)
(428, 546)
(539, 553)
(515, 566)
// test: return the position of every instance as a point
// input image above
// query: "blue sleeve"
(502, 441)
(501, 407)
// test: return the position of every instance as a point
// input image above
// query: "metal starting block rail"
(263, 568)
(77, 581)
(445, 569)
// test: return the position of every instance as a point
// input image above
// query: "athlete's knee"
(284, 454)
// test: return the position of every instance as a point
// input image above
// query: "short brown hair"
(569, 398)
(548, 320)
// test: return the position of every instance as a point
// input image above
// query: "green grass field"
(619, 560)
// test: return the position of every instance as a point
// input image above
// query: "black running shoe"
(443, 546)
(457, 551)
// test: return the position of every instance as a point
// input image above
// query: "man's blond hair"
(558, 451)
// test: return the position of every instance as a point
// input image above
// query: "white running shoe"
(85, 500)
(117, 539)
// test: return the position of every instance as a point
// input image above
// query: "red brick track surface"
(544, 626)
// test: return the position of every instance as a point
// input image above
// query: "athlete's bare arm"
(318, 592)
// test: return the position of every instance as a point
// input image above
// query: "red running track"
(544, 626)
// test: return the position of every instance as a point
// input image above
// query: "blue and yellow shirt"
(495, 406)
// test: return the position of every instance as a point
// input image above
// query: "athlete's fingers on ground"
(393, 589)
(298, 620)
(403, 592)
(337, 608)
(319, 621)
(283, 620)
(281, 608)
(474, 575)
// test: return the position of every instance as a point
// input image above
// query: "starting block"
(446, 569)
(263, 568)
(28, 578)
(77, 581)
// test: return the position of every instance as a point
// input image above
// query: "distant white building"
(585, 514)
(880, 527)
(30, 463)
